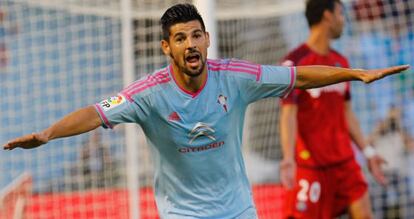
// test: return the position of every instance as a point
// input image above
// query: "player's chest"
(205, 118)
(212, 106)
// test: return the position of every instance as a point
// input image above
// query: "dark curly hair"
(179, 13)
(315, 8)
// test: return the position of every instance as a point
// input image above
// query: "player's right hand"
(375, 164)
(288, 173)
(27, 142)
(376, 74)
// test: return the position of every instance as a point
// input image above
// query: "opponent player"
(317, 126)
(192, 113)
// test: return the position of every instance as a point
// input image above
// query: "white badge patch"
(112, 102)
(287, 63)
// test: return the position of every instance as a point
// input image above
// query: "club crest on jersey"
(112, 102)
(222, 100)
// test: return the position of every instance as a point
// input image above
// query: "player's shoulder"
(339, 57)
(234, 68)
(296, 55)
(148, 84)
(336, 53)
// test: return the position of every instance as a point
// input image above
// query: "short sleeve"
(274, 81)
(116, 110)
(292, 96)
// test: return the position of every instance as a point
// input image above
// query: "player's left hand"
(27, 142)
(288, 173)
(369, 76)
(375, 167)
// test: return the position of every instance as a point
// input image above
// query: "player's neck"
(192, 84)
(319, 41)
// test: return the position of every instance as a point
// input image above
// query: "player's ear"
(327, 15)
(208, 39)
(165, 46)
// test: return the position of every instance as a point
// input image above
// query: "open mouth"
(192, 58)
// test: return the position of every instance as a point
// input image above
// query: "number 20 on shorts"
(309, 191)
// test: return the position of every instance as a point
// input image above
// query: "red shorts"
(325, 193)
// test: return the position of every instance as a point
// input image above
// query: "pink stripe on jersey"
(147, 81)
(105, 120)
(148, 85)
(292, 80)
(250, 66)
(259, 75)
(236, 70)
(238, 66)
(152, 80)
(160, 74)
(126, 96)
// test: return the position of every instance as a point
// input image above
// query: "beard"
(337, 33)
(190, 71)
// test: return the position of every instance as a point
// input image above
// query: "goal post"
(15, 197)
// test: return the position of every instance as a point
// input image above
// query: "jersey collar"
(182, 89)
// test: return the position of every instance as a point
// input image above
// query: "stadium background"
(57, 56)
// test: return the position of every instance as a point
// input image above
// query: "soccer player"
(317, 126)
(192, 112)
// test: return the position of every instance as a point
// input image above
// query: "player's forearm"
(318, 76)
(288, 129)
(78, 122)
(354, 128)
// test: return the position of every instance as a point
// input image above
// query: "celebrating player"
(317, 126)
(192, 112)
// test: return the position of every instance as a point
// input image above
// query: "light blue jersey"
(196, 138)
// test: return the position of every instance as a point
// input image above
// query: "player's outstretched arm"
(78, 122)
(318, 76)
